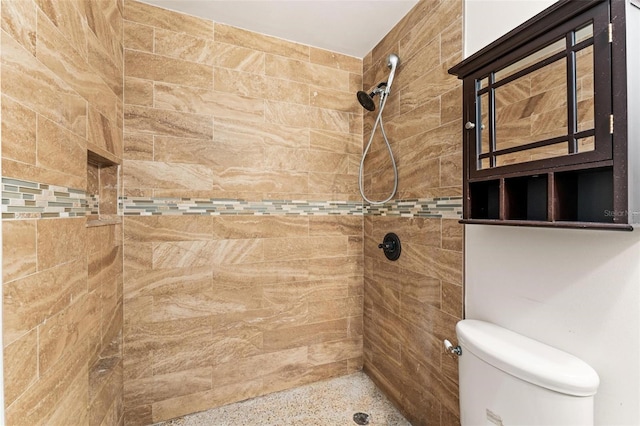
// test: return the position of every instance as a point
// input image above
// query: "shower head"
(366, 99)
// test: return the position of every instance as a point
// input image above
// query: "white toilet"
(509, 379)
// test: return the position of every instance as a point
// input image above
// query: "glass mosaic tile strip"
(32, 200)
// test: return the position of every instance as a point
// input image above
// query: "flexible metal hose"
(383, 101)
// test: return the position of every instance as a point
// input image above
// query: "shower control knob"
(469, 125)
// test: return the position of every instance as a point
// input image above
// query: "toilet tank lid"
(527, 359)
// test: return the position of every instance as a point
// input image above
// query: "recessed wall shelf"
(546, 136)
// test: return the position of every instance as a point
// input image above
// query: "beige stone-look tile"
(232, 130)
(305, 248)
(140, 414)
(20, 365)
(328, 119)
(107, 64)
(23, 75)
(160, 387)
(420, 287)
(138, 146)
(430, 26)
(248, 369)
(167, 70)
(305, 72)
(452, 235)
(263, 273)
(105, 391)
(184, 46)
(18, 131)
(443, 140)
(38, 174)
(204, 101)
(244, 227)
(154, 174)
(238, 58)
(170, 123)
(167, 228)
(451, 105)
(18, 248)
(31, 300)
(162, 18)
(452, 299)
(335, 225)
(335, 267)
(335, 60)
(103, 133)
(138, 36)
(325, 353)
(61, 392)
(327, 162)
(279, 158)
(281, 90)
(66, 332)
(333, 99)
(219, 395)
(60, 150)
(444, 264)
(63, 60)
(239, 180)
(425, 58)
(287, 114)
(19, 19)
(327, 183)
(432, 84)
(239, 83)
(181, 254)
(58, 242)
(419, 120)
(451, 42)
(68, 19)
(264, 43)
(346, 143)
(138, 91)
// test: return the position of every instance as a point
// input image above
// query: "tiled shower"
(242, 261)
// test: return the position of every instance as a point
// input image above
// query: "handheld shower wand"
(392, 63)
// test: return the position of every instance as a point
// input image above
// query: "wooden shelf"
(544, 224)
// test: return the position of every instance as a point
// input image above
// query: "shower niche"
(545, 107)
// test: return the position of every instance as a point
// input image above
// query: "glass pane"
(484, 82)
(540, 153)
(584, 88)
(484, 124)
(485, 164)
(586, 144)
(584, 33)
(545, 52)
(533, 107)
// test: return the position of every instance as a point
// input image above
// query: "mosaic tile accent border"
(449, 207)
(31, 200)
(446, 207)
(141, 206)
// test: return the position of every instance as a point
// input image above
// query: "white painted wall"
(577, 290)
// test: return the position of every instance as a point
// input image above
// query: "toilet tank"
(510, 379)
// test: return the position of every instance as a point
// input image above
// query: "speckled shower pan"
(328, 403)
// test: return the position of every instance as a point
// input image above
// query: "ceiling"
(351, 27)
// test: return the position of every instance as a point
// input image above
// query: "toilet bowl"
(510, 379)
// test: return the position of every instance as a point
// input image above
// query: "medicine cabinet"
(548, 116)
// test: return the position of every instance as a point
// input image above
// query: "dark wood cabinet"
(549, 131)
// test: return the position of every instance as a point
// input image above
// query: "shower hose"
(383, 101)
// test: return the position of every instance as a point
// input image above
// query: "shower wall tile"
(62, 281)
(411, 305)
(263, 43)
(217, 113)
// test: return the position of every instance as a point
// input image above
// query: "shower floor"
(327, 403)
